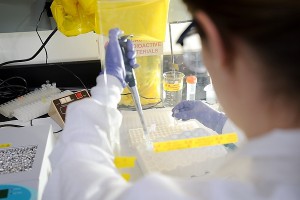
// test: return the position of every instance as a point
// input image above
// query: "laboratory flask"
(172, 88)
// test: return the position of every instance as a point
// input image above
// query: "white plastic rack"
(33, 104)
(37, 108)
(173, 162)
(46, 90)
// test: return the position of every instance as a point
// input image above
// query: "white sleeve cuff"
(107, 91)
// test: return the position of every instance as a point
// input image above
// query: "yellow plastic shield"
(145, 19)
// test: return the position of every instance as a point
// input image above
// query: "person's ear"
(213, 40)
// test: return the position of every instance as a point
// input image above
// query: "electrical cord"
(36, 30)
(20, 126)
(11, 125)
(12, 88)
(141, 96)
(152, 106)
(58, 131)
(47, 53)
(31, 124)
(8, 91)
(38, 51)
(145, 108)
(67, 70)
(149, 97)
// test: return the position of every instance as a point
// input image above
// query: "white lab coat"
(264, 168)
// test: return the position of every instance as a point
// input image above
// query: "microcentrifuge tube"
(191, 82)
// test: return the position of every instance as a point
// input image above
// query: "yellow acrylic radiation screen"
(146, 20)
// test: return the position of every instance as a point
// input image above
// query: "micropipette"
(131, 81)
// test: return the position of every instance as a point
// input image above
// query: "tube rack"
(172, 162)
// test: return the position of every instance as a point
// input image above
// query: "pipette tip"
(148, 142)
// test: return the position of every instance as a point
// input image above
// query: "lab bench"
(66, 76)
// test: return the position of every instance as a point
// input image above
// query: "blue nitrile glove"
(198, 110)
(114, 58)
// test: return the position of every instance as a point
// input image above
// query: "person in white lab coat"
(250, 48)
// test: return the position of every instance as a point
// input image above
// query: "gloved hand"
(198, 110)
(114, 58)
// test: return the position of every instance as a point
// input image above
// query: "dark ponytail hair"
(270, 27)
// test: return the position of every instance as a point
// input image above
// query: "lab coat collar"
(277, 143)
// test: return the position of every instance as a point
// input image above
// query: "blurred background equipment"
(22, 15)
(24, 164)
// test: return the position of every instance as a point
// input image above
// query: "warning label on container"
(144, 48)
(172, 87)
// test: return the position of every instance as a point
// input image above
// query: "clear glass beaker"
(172, 88)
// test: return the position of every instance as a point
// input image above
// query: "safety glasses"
(191, 44)
(190, 30)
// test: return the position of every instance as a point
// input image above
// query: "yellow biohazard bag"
(74, 17)
(145, 19)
